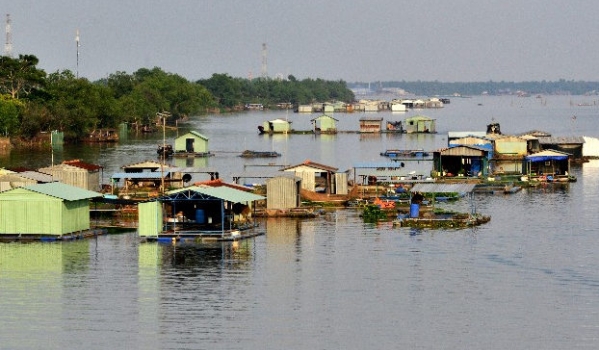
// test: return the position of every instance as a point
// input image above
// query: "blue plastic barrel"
(200, 216)
(414, 210)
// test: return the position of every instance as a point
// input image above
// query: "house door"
(189, 145)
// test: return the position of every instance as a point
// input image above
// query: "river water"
(528, 279)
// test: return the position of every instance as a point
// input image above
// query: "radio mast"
(8, 44)
(77, 42)
(264, 71)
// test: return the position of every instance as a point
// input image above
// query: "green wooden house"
(275, 126)
(191, 143)
(420, 124)
(49, 209)
(324, 124)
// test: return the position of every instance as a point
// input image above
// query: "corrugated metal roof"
(192, 170)
(37, 176)
(442, 188)
(312, 164)
(419, 118)
(548, 154)
(79, 164)
(194, 133)
(279, 121)
(324, 116)
(462, 134)
(148, 164)
(463, 150)
(556, 140)
(224, 192)
(374, 165)
(63, 191)
(142, 175)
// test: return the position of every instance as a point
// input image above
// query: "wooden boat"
(259, 154)
(165, 150)
(184, 154)
(316, 197)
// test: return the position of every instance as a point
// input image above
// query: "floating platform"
(289, 213)
(259, 154)
(53, 238)
(179, 154)
(234, 234)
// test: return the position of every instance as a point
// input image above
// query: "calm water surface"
(529, 279)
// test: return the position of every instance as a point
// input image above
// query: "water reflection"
(196, 255)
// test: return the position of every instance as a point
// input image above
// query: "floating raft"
(456, 221)
(53, 238)
(259, 154)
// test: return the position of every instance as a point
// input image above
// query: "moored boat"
(165, 151)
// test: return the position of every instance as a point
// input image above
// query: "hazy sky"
(353, 40)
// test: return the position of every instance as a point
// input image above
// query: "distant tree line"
(434, 88)
(32, 101)
(234, 93)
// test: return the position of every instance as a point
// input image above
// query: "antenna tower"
(77, 42)
(264, 71)
(8, 44)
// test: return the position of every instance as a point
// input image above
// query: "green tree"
(9, 115)
(20, 76)
(79, 106)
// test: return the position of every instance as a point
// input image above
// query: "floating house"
(324, 124)
(317, 177)
(199, 212)
(397, 106)
(371, 125)
(191, 144)
(462, 160)
(51, 209)
(479, 142)
(508, 155)
(572, 145)
(11, 179)
(76, 173)
(304, 109)
(419, 124)
(275, 126)
(145, 179)
(283, 192)
(548, 165)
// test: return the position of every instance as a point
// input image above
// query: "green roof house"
(191, 143)
(49, 209)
